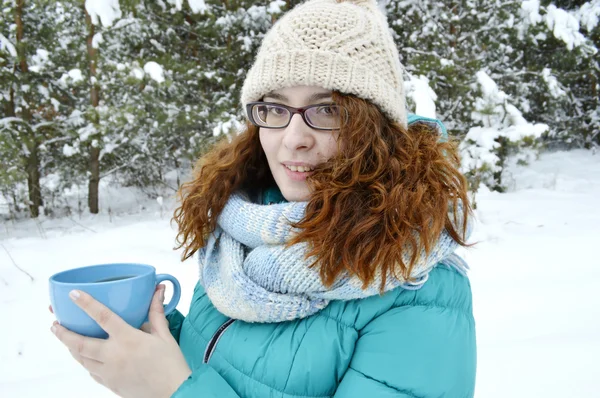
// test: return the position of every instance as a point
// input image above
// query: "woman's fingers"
(156, 314)
(76, 356)
(146, 327)
(87, 347)
(97, 378)
(88, 363)
(110, 322)
(50, 309)
(92, 365)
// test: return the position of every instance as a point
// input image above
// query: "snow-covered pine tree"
(551, 71)
(34, 98)
(502, 132)
(440, 44)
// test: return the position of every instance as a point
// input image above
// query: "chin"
(295, 195)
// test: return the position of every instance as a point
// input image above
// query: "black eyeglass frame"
(293, 111)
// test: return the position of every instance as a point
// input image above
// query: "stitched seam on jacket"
(466, 309)
(469, 295)
(249, 377)
(430, 306)
(336, 320)
(466, 314)
(401, 391)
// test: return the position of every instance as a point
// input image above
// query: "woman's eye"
(327, 110)
(276, 110)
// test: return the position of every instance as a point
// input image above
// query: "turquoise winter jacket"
(405, 343)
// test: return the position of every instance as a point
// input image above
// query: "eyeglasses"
(277, 116)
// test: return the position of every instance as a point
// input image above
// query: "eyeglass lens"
(321, 116)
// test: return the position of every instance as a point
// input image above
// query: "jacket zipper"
(212, 344)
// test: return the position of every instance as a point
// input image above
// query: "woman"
(325, 235)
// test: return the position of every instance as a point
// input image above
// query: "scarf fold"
(248, 274)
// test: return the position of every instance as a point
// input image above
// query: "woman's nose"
(297, 134)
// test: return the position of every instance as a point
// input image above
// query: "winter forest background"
(131, 92)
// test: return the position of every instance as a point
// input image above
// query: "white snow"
(422, 95)
(493, 110)
(227, 127)
(55, 104)
(86, 131)
(588, 14)
(157, 45)
(177, 3)
(38, 60)
(76, 75)
(155, 71)
(44, 92)
(499, 119)
(197, 6)
(534, 274)
(489, 88)
(104, 11)
(274, 7)
(564, 26)
(76, 118)
(138, 73)
(6, 45)
(69, 150)
(97, 40)
(476, 156)
(553, 84)
(531, 10)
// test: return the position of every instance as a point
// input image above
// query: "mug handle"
(176, 291)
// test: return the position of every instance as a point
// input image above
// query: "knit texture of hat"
(344, 46)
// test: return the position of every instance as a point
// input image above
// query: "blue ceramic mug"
(126, 289)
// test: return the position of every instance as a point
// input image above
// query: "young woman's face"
(297, 144)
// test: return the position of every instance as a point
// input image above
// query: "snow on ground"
(534, 276)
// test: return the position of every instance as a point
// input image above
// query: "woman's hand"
(132, 363)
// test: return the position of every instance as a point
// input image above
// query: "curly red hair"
(388, 188)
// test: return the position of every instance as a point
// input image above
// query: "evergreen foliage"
(135, 90)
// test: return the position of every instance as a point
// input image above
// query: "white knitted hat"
(344, 46)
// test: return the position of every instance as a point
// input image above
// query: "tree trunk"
(503, 151)
(94, 179)
(30, 159)
(177, 169)
(453, 29)
(33, 182)
(95, 99)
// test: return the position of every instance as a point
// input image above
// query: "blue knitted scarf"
(248, 274)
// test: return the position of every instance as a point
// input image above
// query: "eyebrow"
(312, 98)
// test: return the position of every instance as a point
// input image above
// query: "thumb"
(156, 316)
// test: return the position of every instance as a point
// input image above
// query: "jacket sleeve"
(205, 382)
(175, 319)
(414, 351)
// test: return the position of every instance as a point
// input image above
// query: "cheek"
(330, 146)
(267, 143)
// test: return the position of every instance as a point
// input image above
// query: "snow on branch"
(104, 11)
(6, 45)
